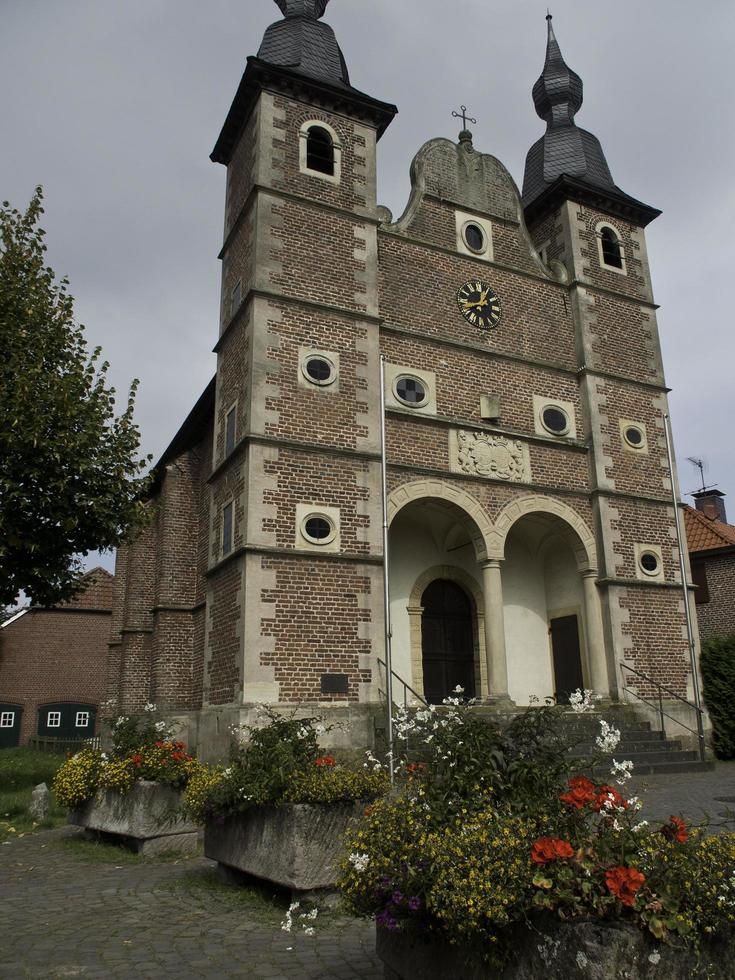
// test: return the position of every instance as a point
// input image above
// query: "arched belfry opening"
(320, 151)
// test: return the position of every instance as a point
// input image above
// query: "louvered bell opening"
(320, 151)
(611, 251)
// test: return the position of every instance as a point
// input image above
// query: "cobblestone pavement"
(73, 910)
(67, 915)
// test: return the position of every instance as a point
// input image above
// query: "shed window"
(320, 151)
(53, 719)
(7, 719)
(612, 253)
(82, 719)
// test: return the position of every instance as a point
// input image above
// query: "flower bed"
(280, 810)
(492, 834)
(135, 791)
(147, 818)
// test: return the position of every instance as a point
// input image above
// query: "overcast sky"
(115, 105)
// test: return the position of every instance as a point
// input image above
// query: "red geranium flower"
(608, 796)
(547, 849)
(581, 793)
(416, 768)
(624, 883)
(137, 759)
(325, 760)
(676, 830)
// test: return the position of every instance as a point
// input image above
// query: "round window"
(649, 563)
(318, 529)
(474, 237)
(555, 420)
(634, 437)
(411, 391)
(319, 370)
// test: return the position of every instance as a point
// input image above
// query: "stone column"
(595, 636)
(497, 666)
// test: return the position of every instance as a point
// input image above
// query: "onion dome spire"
(558, 94)
(565, 149)
(304, 44)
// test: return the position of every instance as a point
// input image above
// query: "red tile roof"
(704, 534)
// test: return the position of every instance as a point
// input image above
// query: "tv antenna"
(701, 465)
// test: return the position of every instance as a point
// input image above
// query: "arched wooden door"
(447, 641)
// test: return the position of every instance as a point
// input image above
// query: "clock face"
(479, 305)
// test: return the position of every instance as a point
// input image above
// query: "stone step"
(627, 746)
(646, 758)
(672, 768)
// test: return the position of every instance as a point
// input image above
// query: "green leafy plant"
(71, 480)
(279, 762)
(718, 674)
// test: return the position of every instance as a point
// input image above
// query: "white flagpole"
(386, 577)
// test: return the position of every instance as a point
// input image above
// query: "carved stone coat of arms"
(489, 455)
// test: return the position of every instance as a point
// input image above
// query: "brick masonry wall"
(717, 617)
(655, 636)
(52, 655)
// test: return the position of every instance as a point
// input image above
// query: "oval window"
(634, 437)
(319, 370)
(411, 391)
(474, 237)
(649, 563)
(555, 420)
(318, 529)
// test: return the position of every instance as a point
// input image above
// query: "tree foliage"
(70, 474)
(718, 674)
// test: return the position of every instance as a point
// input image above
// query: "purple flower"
(414, 903)
(397, 898)
(386, 921)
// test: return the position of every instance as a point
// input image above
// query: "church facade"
(532, 545)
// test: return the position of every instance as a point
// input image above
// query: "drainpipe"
(685, 587)
(386, 578)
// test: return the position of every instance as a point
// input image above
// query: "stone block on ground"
(39, 806)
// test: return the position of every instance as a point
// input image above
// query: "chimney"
(712, 504)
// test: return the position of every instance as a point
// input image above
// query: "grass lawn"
(21, 770)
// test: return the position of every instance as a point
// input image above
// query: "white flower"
(582, 701)
(640, 826)
(149, 707)
(609, 737)
(622, 772)
(359, 861)
(459, 689)
(655, 957)
(121, 720)
(309, 931)
(320, 729)
(160, 726)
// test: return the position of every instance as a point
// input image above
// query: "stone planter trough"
(146, 818)
(561, 951)
(296, 846)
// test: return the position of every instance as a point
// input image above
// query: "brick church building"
(532, 538)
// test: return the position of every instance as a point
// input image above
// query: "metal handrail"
(406, 687)
(662, 687)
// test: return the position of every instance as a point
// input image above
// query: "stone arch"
(579, 536)
(471, 512)
(415, 610)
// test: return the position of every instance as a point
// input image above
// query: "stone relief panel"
(489, 455)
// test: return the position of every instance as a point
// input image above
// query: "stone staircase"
(649, 750)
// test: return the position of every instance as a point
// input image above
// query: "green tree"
(71, 477)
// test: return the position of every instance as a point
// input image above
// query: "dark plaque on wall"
(335, 684)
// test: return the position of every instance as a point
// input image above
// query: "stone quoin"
(532, 537)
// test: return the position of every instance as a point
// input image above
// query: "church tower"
(294, 612)
(579, 218)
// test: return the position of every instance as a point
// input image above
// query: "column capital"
(589, 573)
(492, 563)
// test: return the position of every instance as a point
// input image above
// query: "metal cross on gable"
(464, 117)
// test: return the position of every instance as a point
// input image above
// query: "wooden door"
(447, 641)
(10, 718)
(568, 676)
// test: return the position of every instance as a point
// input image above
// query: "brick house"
(712, 556)
(53, 665)
(532, 535)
